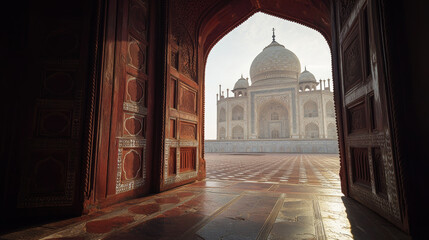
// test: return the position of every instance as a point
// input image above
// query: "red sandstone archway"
(353, 33)
(225, 16)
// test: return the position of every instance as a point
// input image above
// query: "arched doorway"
(332, 131)
(237, 132)
(186, 31)
(311, 131)
(222, 133)
(273, 121)
(238, 113)
(222, 115)
(353, 41)
(310, 109)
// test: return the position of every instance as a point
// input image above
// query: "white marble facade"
(281, 103)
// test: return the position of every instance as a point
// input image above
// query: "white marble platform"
(289, 146)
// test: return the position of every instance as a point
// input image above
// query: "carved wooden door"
(125, 153)
(45, 177)
(373, 173)
(182, 109)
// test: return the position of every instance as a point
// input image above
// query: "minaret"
(274, 35)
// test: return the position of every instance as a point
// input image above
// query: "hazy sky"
(234, 53)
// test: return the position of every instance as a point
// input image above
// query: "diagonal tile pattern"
(260, 196)
(309, 169)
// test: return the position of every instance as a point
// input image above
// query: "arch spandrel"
(215, 25)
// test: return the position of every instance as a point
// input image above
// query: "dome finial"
(305, 68)
(274, 36)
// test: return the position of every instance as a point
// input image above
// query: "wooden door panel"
(372, 175)
(128, 142)
(52, 128)
(125, 156)
(182, 116)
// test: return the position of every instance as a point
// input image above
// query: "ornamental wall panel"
(132, 102)
(187, 99)
(50, 127)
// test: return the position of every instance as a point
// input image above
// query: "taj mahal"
(281, 110)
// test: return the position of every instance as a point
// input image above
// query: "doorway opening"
(277, 112)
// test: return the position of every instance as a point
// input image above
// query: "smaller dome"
(241, 83)
(306, 76)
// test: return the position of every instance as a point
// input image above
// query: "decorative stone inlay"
(136, 108)
(135, 90)
(261, 100)
(131, 164)
(124, 186)
(179, 176)
(131, 142)
(133, 125)
(136, 54)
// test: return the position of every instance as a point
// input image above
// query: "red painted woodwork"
(187, 159)
(172, 162)
(173, 128)
(125, 145)
(81, 115)
(359, 80)
(173, 93)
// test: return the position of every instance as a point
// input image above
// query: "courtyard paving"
(245, 196)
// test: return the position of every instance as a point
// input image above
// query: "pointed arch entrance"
(273, 121)
(352, 31)
(182, 32)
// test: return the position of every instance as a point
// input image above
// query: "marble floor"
(245, 196)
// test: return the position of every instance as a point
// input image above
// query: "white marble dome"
(241, 83)
(275, 63)
(306, 76)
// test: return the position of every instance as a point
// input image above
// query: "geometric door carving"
(181, 137)
(51, 149)
(132, 100)
(371, 166)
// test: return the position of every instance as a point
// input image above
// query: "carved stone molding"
(282, 99)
